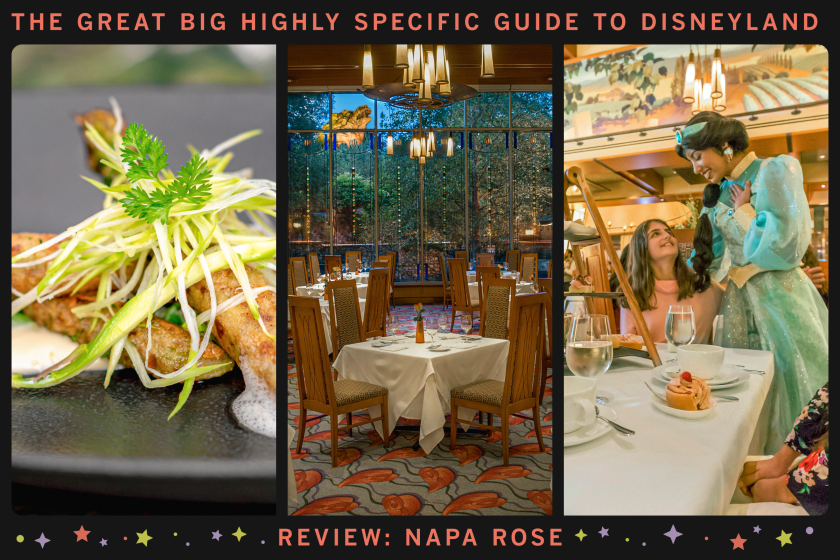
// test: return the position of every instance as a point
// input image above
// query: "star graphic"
(43, 540)
(81, 534)
(103, 542)
(756, 529)
(217, 535)
(580, 534)
(604, 532)
(784, 538)
(673, 534)
(143, 538)
(239, 534)
(739, 542)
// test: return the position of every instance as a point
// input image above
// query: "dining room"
(420, 279)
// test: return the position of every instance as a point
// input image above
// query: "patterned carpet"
(372, 480)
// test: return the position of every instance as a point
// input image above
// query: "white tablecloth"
(419, 381)
(317, 290)
(671, 466)
(512, 274)
(521, 288)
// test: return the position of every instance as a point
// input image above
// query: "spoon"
(620, 429)
(655, 393)
(725, 398)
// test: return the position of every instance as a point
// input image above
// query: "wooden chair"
(298, 271)
(353, 260)
(546, 285)
(345, 317)
(376, 304)
(393, 256)
(498, 295)
(482, 274)
(389, 258)
(318, 391)
(462, 255)
(529, 266)
(485, 259)
(550, 275)
(314, 267)
(291, 291)
(331, 262)
(460, 290)
(521, 388)
(444, 275)
(512, 258)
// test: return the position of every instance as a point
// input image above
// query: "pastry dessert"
(687, 393)
(628, 340)
(581, 285)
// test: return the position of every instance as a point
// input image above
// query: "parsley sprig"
(146, 158)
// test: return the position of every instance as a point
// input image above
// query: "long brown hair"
(640, 271)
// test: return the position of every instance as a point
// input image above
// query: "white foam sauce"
(35, 348)
(256, 407)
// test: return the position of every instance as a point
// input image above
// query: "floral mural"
(643, 87)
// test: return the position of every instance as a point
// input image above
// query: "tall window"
(347, 194)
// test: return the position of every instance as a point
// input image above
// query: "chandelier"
(422, 145)
(708, 93)
(426, 82)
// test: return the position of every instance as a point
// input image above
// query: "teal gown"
(776, 307)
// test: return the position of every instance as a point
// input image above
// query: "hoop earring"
(728, 153)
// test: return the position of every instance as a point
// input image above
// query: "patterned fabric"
(512, 258)
(300, 272)
(487, 392)
(290, 284)
(808, 482)
(529, 268)
(347, 320)
(348, 391)
(314, 266)
(372, 480)
(496, 312)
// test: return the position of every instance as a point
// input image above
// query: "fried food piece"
(168, 352)
(103, 121)
(25, 279)
(236, 329)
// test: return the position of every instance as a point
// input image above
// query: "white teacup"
(701, 360)
(578, 403)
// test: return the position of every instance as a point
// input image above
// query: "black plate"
(78, 435)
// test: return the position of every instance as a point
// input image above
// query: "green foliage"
(191, 185)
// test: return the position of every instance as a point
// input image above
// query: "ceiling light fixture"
(705, 92)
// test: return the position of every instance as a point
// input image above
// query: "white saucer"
(726, 375)
(592, 431)
(439, 349)
(685, 414)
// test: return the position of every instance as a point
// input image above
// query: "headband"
(689, 130)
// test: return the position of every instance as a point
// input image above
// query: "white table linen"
(672, 466)
(521, 288)
(509, 274)
(420, 382)
(318, 290)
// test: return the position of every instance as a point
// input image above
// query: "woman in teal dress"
(757, 209)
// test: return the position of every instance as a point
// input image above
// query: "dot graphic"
(176, 534)
(707, 538)
(262, 542)
(644, 544)
(125, 538)
(20, 538)
(188, 544)
(626, 540)
(809, 530)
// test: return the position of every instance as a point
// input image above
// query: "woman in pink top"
(660, 278)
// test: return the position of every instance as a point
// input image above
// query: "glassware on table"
(589, 349)
(576, 307)
(505, 266)
(466, 323)
(717, 330)
(472, 266)
(679, 325)
(391, 327)
(431, 330)
(443, 322)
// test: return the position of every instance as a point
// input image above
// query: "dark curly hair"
(718, 131)
(703, 253)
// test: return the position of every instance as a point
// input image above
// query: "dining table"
(317, 290)
(419, 380)
(521, 288)
(512, 274)
(672, 465)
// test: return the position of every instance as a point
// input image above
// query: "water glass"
(679, 325)
(443, 322)
(392, 325)
(466, 323)
(589, 349)
(505, 266)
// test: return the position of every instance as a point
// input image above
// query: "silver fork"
(620, 429)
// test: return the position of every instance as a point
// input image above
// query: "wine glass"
(679, 325)
(573, 306)
(472, 266)
(443, 322)
(392, 325)
(505, 266)
(466, 323)
(589, 350)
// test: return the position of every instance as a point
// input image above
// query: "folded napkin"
(394, 348)
(448, 336)
(464, 345)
